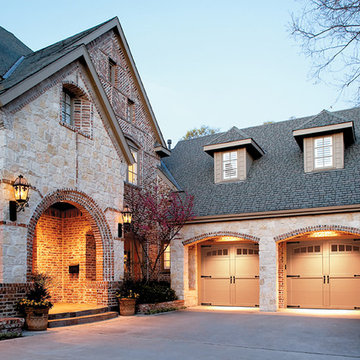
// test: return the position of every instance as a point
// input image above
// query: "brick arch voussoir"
(206, 236)
(92, 213)
(297, 232)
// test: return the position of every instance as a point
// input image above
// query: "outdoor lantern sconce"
(127, 217)
(21, 192)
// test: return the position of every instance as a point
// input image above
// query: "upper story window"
(229, 165)
(67, 108)
(112, 71)
(133, 169)
(166, 258)
(130, 111)
(323, 152)
(76, 109)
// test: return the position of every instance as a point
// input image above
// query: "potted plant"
(36, 304)
(127, 301)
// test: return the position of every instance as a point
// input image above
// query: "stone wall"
(272, 253)
(52, 156)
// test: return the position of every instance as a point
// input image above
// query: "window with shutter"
(229, 161)
(323, 152)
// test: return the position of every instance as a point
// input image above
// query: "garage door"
(323, 274)
(230, 275)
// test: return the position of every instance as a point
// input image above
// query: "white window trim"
(326, 152)
(230, 165)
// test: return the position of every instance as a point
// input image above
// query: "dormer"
(233, 153)
(323, 139)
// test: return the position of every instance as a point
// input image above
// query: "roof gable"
(325, 123)
(36, 62)
(233, 139)
(54, 63)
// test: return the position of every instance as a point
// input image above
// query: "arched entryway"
(70, 240)
(320, 268)
(228, 266)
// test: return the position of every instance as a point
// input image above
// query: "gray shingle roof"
(322, 119)
(276, 181)
(35, 61)
(233, 134)
(163, 168)
(11, 49)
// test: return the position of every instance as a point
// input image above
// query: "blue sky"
(218, 63)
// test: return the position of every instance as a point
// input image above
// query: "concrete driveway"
(195, 334)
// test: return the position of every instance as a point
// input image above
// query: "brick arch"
(220, 233)
(340, 228)
(75, 89)
(92, 212)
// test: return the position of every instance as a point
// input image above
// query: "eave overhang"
(251, 146)
(347, 128)
(162, 151)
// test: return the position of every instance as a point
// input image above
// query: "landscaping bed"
(160, 307)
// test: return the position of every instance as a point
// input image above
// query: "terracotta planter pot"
(127, 306)
(36, 319)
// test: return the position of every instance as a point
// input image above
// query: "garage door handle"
(293, 276)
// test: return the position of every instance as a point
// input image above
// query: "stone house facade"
(72, 117)
(277, 220)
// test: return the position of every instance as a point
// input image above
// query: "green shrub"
(149, 293)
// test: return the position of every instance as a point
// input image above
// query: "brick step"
(72, 314)
(82, 319)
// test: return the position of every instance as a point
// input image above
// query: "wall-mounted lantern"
(127, 217)
(21, 193)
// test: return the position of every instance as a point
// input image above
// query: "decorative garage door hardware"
(230, 274)
(315, 264)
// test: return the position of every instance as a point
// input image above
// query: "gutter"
(275, 214)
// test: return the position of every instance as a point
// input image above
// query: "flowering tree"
(157, 217)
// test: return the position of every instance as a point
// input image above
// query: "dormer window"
(323, 139)
(233, 153)
(229, 165)
(323, 152)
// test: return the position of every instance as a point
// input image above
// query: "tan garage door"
(230, 275)
(323, 274)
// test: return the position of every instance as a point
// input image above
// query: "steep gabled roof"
(11, 50)
(55, 61)
(37, 61)
(275, 182)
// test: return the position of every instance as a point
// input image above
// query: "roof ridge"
(74, 38)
